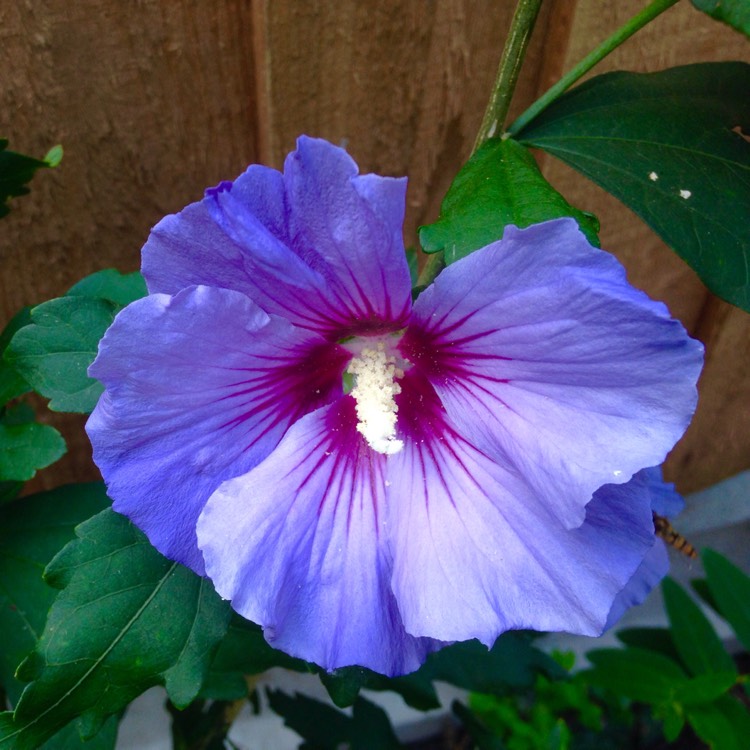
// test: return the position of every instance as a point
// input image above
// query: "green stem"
(435, 264)
(636, 23)
(507, 72)
(497, 108)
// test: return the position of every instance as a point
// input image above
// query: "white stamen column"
(375, 387)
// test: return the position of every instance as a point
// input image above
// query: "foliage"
(126, 619)
(32, 531)
(683, 674)
(539, 718)
(16, 170)
(324, 728)
(735, 13)
(689, 676)
(500, 185)
(25, 445)
(667, 145)
(54, 350)
(12, 384)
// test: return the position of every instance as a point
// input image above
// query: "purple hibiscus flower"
(451, 490)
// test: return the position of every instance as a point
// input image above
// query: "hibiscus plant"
(315, 459)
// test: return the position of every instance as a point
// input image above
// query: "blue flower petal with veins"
(477, 476)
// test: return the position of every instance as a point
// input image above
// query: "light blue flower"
(453, 492)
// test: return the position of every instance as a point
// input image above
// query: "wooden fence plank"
(152, 101)
(402, 83)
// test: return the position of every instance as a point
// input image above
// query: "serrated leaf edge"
(98, 661)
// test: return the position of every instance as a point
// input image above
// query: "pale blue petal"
(665, 501)
(300, 546)
(320, 244)
(350, 227)
(649, 575)
(477, 551)
(550, 362)
(200, 387)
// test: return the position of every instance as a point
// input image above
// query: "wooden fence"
(155, 100)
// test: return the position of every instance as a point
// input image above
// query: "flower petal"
(319, 245)
(191, 248)
(477, 551)
(298, 545)
(200, 387)
(548, 360)
(352, 225)
(664, 500)
(649, 574)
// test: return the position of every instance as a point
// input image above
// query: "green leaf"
(17, 414)
(734, 13)
(500, 185)
(122, 289)
(24, 448)
(343, 685)
(700, 586)
(653, 639)
(9, 491)
(663, 144)
(126, 619)
(512, 662)
(15, 171)
(412, 261)
(700, 648)
(371, 728)
(243, 651)
(731, 590)
(724, 724)
(54, 352)
(636, 673)
(54, 156)
(322, 726)
(674, 721)
(69, 738)
(32, 532)
(705, 688)
(12, 384)
(484, 738)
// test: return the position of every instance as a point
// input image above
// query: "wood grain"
(152, 101)
(402, 83)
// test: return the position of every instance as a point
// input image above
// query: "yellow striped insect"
(664, 530)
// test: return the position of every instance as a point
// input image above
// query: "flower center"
(375, 371)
